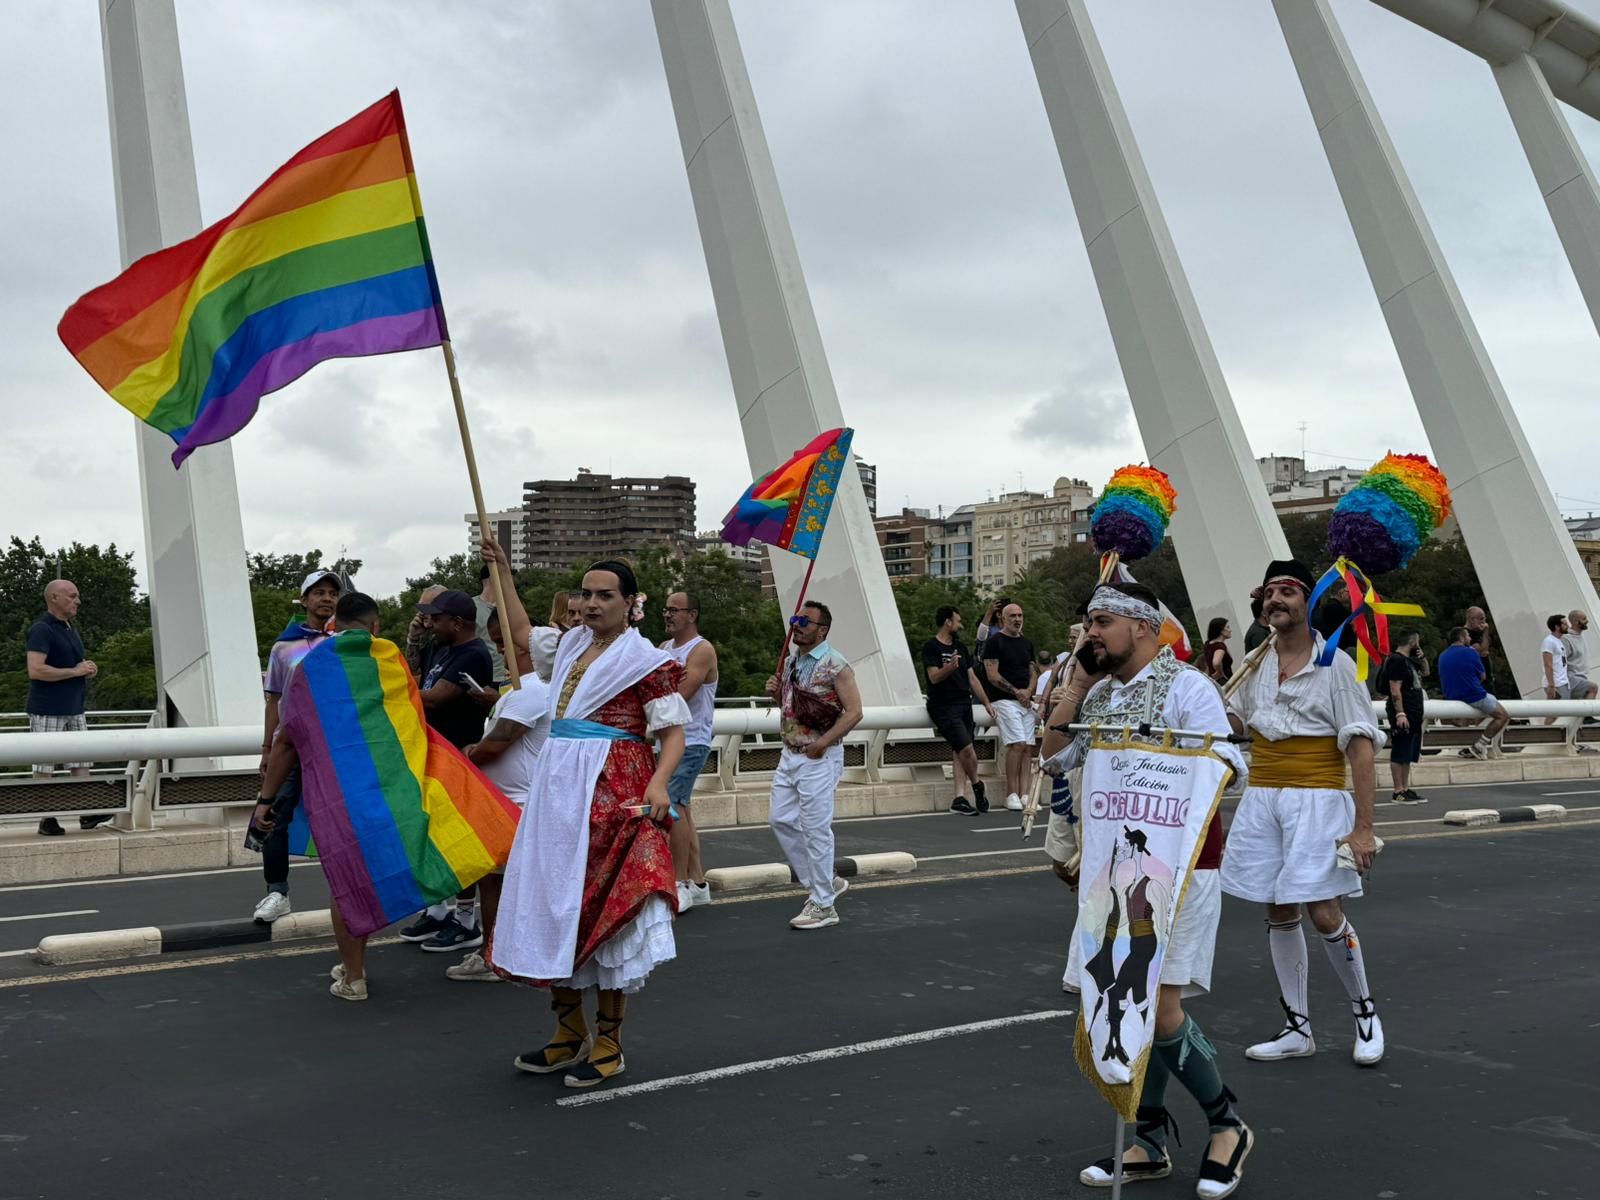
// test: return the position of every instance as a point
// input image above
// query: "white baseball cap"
(317, 577)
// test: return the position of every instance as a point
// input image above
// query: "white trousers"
(802, 817)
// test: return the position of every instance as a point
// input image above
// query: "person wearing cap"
(1301, 838)
(1125, 676)
(319, 595)
(454, 688)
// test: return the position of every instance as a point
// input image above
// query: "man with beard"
(1126, 677)
(1284, 848)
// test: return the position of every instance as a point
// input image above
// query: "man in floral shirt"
(817, 691)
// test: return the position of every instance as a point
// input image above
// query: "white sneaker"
(1014, 802)
(1479, 749)
(1368, 1050)
(273, 905)
(472, 969)
(685, 896)
(841, 885)
(699, 893)
(814, 916)
(1288, 1044)
(346, 990)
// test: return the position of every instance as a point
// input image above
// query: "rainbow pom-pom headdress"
(1131, 518)
(1385, 519)
(1377, 527)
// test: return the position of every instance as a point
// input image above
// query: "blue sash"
(569, 727)
(573, 729)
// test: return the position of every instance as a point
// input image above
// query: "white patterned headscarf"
(1108, 599)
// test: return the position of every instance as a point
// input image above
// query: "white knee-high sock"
(1290, 961)
(1344, 952)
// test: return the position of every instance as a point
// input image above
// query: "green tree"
(106, 583)
(745, 627)
(127, 678)
(456, 572)
(286, 572)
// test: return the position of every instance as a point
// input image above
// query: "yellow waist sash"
(1297, 762)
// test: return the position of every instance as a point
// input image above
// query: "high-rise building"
(950, 544)
(510, 529)
(869, 485)
(903, 542)
(573, 522)
(1019, 528)
(752, 556)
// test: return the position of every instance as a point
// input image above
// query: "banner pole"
(1116, 1169)
(512, 672)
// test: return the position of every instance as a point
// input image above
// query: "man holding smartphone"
(1400, 684)
(453, 695)
(951, 685)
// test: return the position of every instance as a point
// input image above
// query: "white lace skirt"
(625, 961)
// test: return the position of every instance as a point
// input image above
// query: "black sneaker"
(962, 805)
(980, 797)
(1408, 797)
(454, 936)
(424, 927)
(91, 822)
(50, 827)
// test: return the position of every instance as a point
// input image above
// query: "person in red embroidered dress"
(590, 892)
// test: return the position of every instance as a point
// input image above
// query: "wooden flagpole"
(483, 517)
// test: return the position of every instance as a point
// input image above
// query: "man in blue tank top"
(698, 658)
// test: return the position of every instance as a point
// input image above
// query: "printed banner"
(1143, 810)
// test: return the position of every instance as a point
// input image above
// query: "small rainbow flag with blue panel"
(788, 507)
(400, 818)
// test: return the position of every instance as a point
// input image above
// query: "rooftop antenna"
(1302, 443)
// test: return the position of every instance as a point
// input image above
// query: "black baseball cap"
(451, 604)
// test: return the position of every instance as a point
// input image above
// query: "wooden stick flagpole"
(788, 633)
(483, 517)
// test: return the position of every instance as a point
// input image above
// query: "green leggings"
(1193, 1060)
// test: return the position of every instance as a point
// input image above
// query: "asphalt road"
(942, 842)
(237, 1075)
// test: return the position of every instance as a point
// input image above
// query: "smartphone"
(473, 685)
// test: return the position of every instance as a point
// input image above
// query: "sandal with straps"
(561, 1052)
(599, 1067)
(1217, 1179)
(1103, 1172)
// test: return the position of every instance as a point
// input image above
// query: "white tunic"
(1283, 842)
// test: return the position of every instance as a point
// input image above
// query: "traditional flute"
(1250, 665)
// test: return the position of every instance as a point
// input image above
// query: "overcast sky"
(945, 265)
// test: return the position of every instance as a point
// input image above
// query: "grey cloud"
(1080, 418)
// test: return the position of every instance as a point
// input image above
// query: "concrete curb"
(743, 879)
(65, 948)
(1505, 816)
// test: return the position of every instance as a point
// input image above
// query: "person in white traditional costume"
(1300, 837)
(589, 893)
(1127, 678)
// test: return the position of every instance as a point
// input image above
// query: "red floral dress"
(629, 857)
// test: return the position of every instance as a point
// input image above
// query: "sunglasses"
(671, 612)
(799, 622)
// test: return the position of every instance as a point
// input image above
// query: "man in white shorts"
(1126, 677)
(1010, 676)
(1284, 847)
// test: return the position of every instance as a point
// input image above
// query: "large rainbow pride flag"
(327, 259)
(400, 818)
(788, 507)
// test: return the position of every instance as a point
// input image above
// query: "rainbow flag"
(789, 507)
(327, 259)
(400, 818)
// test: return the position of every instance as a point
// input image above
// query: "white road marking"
(811, 1056)
(179, 964)
(76, 912)
(17, 953)
(66, 883)
(1584, 792)
(979, 853)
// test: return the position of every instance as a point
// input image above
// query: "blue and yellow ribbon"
(1369, 615)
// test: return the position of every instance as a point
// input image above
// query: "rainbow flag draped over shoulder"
(788, 507)
(400, 818)
(327, 259)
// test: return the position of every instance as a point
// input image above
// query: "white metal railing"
(95, 718)
(145, 749)
(223, 741)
